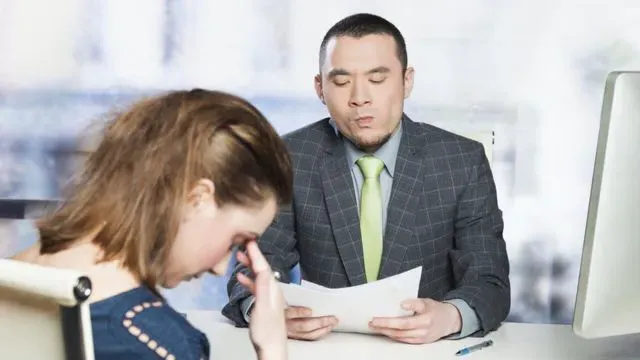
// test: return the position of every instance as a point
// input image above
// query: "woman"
(176, 183)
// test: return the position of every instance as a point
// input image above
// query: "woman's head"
(174, 183)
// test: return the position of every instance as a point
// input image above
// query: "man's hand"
(432, 320)
(302, 326)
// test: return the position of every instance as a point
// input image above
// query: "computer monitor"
(608, 298)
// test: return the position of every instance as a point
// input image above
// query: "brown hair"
(148, 159)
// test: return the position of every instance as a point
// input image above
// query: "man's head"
(364, 78)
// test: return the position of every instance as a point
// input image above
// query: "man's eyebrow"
(337, 72)
(379, 69)
(342, 72)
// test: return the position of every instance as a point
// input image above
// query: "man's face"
(364, 87)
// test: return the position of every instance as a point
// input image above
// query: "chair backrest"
(44, 313)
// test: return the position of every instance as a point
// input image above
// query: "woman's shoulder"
(140, 322)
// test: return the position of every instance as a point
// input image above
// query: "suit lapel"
(403, 204)
(339, 196)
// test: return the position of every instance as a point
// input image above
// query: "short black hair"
(363, 24)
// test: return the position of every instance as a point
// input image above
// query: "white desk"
(511, 341)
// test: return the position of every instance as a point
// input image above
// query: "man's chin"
(371, 143)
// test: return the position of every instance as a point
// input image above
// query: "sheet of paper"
(355, 306)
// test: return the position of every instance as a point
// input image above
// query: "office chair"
(44, 313)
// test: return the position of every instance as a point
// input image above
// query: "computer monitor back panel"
(608, 299)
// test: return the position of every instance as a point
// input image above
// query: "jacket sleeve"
(479, 258)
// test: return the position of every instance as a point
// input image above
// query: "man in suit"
(377, 194)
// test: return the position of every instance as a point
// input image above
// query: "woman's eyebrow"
(241, 240)
(251, 235)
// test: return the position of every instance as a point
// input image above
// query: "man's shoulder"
(432, 136)
(312, 134)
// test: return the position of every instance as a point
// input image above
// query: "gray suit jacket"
(443, 215)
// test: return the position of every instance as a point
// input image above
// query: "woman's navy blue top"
(137, 324)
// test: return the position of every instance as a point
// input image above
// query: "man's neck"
(370, 150)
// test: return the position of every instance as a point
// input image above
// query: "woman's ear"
(202, 192)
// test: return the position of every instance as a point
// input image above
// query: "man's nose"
(360, 95)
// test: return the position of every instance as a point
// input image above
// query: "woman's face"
(208, 233)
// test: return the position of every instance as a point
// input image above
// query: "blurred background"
(532, 71)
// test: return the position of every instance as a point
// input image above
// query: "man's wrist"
(455, 319)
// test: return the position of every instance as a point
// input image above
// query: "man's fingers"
(419, 306)
(307, 325)
(413, 336)
(294, 312)
(312, 335)
(413, 340)
(246, 282)
(400, 323)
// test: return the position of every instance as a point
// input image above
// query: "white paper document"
(355, 306)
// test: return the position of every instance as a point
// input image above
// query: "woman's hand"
(267, 328)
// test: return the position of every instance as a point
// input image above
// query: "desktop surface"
(511, 341)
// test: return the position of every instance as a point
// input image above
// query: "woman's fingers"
(268, 329)
(267, 291)
(263, 285)
(258, 262)
(266, 286)
(243, 259)
(246, 282)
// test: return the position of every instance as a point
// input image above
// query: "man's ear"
(318, 86)
(408, 82)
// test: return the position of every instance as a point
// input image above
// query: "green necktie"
(371, 215)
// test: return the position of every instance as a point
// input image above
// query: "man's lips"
(364, 120)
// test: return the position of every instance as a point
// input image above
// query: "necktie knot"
(370, 166)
